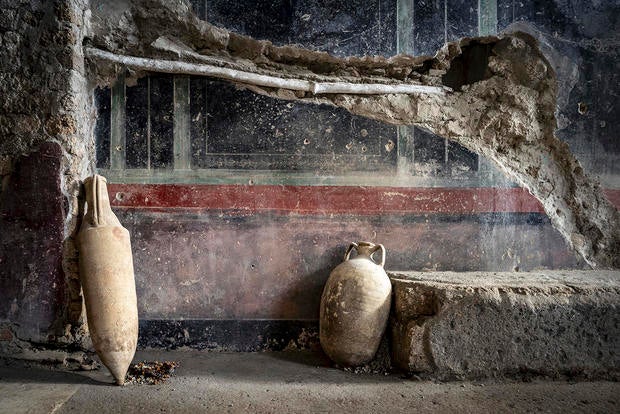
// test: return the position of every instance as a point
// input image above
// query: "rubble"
(150, 372)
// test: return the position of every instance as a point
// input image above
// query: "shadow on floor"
(17, 371)
(302, 367)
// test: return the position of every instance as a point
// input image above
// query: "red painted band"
(327, 199)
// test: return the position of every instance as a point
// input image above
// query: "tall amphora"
(355, 306)
(106, 274)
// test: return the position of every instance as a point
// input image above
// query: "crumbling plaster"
(505, 110)
(47, 98)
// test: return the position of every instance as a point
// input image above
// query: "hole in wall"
(469, 67)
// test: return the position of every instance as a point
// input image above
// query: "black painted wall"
(581, 39)
(236, 129)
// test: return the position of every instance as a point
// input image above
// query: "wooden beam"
(317, 88)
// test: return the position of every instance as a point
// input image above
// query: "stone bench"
(486, 324)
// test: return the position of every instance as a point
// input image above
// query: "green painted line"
(148, 121)
(405, 142)
(487, 17)
(487, 26)
(404, 44)
(270, 177)
(181, 130)
(117, 127)
(404, 31)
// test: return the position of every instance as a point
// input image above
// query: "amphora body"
(107, 277)
(355, 306)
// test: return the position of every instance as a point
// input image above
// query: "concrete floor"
(294, 382)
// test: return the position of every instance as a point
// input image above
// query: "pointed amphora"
(106, 274)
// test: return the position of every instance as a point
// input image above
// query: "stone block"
(485, 324)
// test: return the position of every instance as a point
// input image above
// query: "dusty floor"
(285, 383)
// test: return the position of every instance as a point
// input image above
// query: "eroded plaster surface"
(502, 106)
(46, 123)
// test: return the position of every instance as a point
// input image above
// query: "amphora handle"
(349, 249)
(372, 251)
(382, 248)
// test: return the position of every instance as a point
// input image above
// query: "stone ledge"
(486, 324)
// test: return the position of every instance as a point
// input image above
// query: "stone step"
(487, 324)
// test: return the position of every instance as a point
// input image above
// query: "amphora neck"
(365, 250)
(98, 212)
